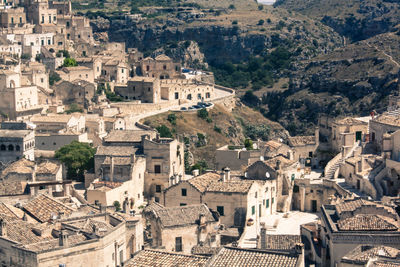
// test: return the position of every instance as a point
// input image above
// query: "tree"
(248, 144)
(202, 113)
(117, 205)
(172, 119)
(164, 131)
(260, 22)
(74, 108)
(54, 77)
(77, 157)
(70, 62)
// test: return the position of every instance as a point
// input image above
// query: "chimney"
(94, 229)
(223, 176)
(3, 227)
(112, 169)
(195, 173)
(278, 165)
(202, 219)
(263, 239)
(133, 158)
(227, 172)
(63, 239)
(290, 155)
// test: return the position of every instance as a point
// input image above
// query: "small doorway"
(358, 184)
(314, 205)
(358, 135)
(178, 244)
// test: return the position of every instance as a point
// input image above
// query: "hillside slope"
(354, 19)
(226, 128)
(352, 80)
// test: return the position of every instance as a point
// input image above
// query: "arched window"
(17, 148)
(2, 147)
(10, 148)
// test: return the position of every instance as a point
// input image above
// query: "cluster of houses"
(137, 206)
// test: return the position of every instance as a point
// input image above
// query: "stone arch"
(10, 148)
(2, 147)
(12, 84)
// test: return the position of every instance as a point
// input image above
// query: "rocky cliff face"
(351, 80)
(232, 37)
(354, 19)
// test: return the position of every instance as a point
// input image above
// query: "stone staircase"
(333, 164)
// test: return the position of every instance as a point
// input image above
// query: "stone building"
(80, 92)
(236, 200)
(162, 67)
(76, 73)
(235, 157)
(154, 90)
(354, 126)
(65, 239)
(367, 255)
(16, 143)
(164, 164)
(57, 122)
(93, 63)
(12, 17)
(304, 149)
(382, 124)
(18, 102)
(179, 229)
(351, 223)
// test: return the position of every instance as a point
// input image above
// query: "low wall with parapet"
(142, 108)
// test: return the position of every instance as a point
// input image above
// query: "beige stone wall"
(338, 129)
(173, 195)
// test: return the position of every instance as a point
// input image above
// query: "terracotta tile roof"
(273, 145)
(301, 140)
(162, 57)
(127, 136)
(231, 186)
(48, 167)
(22, 166)
(284, 162)
(236, 257)
(142, 79)
(367, 222)
(350, 121)
(108, 184)
(88, 226)
(54, 243)
(6, 211)
(115, 151)
(20, 231)
(201, 182)
(62, 118)
(205, 250)
(154, 258)
(10, 188)
(117, 161)
(363, 253)
(352, 204)
(13, 133)
(384, 263)
(179, 216)
(43, 207)
(281, 242)
(388, 119)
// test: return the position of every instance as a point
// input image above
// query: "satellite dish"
(245, 174)
(267, 175)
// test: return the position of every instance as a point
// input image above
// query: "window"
(147, 68)
(267, 203)
(41, 80)
(296, 189)
(272, 201)
(122, 70)
(158, 188)
(42, 42)
(207, 95)
(67, 24)
(10, 148)
(60, 43)
(164, 67)
(253, 210)
(178, 244)
(157, 199)
(12, 20)
(20, 20)
(213, 238)
(157, 168)
(255, 195)
(199, 96)
(49, 42)
(49, 19)
(184, 192)
(42, 19)
(220, 210)
(182, 204)
(2, 147)
(176, 95)
(79, 36)
(310, 154)
(54, 18)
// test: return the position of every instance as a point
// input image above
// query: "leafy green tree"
(250, 99)
(74, 108)
(172, 118)
(70, 62)
(201, 165)
(202, 113)
(54, 77)
(78, 158)
(117, 205)
(164, 131)
(248, 144)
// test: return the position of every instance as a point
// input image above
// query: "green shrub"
(164, 131)
(172, 119)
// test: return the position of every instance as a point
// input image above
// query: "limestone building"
(179, 229)
(16, 142)
(162, 67)
(351, 223)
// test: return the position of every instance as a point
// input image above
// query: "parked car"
(183, 108)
